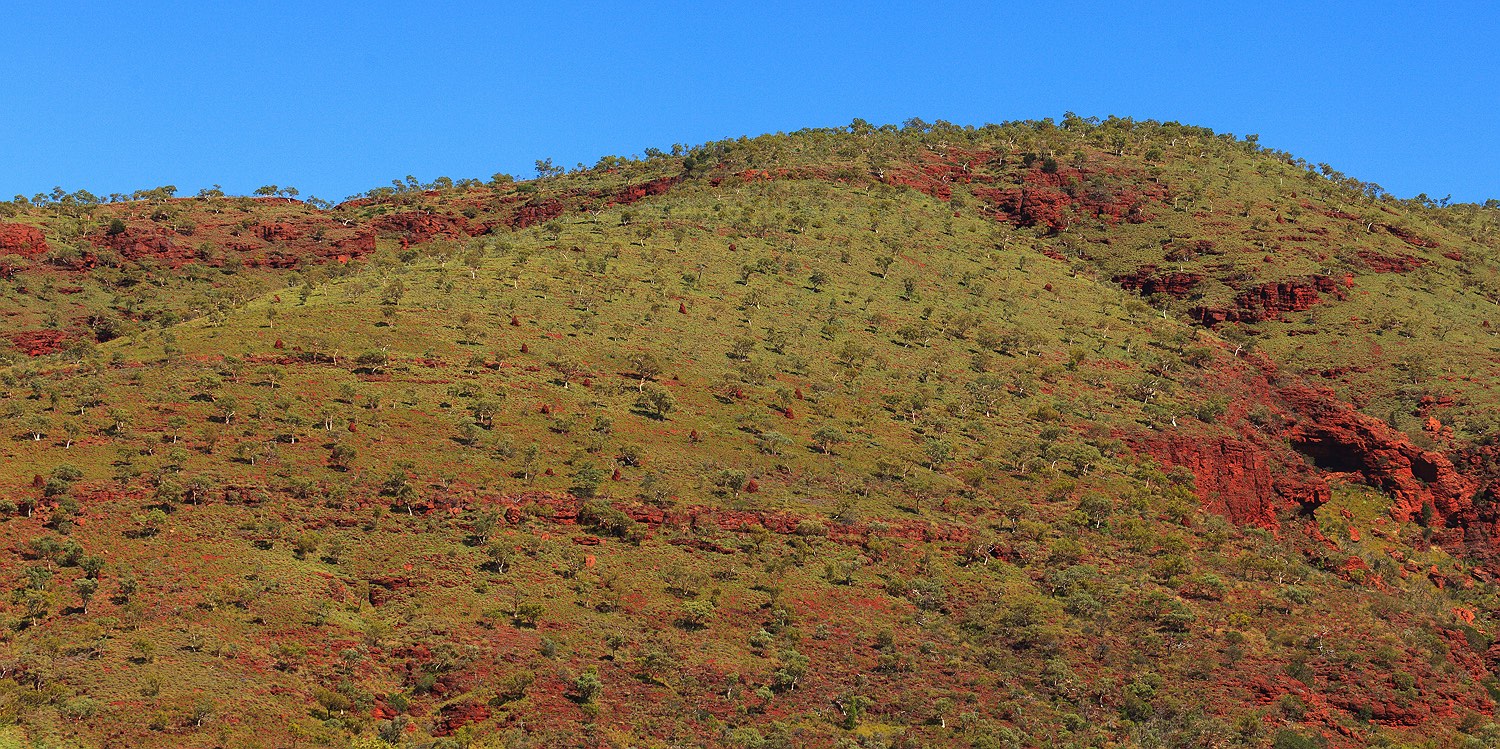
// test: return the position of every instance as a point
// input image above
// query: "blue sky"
(335, 98)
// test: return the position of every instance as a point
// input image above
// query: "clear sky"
(335, 98)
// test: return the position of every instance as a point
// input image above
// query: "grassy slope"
(1013, 577)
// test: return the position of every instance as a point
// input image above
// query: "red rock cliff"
(21, 239)
(1269, 301)
(1339, 439)
(1239, 478)
(1252, 477)
(1147, 281)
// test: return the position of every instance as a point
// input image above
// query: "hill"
(1038, 434)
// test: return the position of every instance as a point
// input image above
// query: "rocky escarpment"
(154, 242)
(1147, 281)
(632, 193)
(1268, 301)
(215, 240)
(1246, 480)
(1255, 476)
(22, 239)
(1053, 199)
(39, 342)
(1041, 193)
(1424, 485)
(1381, 263)
(422, 226)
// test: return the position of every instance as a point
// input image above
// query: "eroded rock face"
(419, 226)
(935, 173)
(215, 239)
(158, 243)
(1268, 301)
(1380, 263)
(1255, 476)
(22, 239)
(1409, 237)
(1038, 196)
(1286, 296)
(278, 232)
(1241, 479)
(536, 212)
(40, 342)
(458, 715)
(1147, 281)
(632, 193)
(1024, 206)
(1339, 439)
(1048, 200)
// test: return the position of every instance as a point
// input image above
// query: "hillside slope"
(1090, 434)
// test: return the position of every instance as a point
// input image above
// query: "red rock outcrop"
(1049, 198)
(1253, 476)
(140, 243)
(1275, 298)
(216, 239)
(937, 172)
(21, 239)
(1239, 478)
(632, 193)
(536, 212)
(456, 716)
(1043, 207)
(40, 342)
(1379, 263)
(420, 226)
(1269, 301)
(1410, 237)
(1146, 281)
(1339, 439)
(278, 232)
(1052, 207)
(360, 244)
